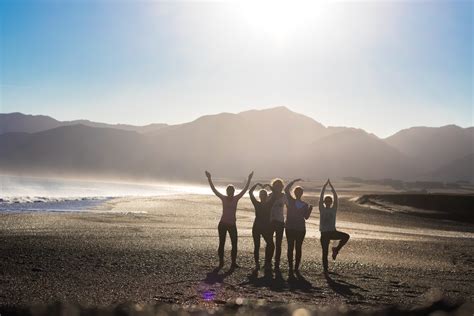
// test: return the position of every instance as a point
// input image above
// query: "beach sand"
(163, 249)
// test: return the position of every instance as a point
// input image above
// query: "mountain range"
(18, 122)
(273, 142)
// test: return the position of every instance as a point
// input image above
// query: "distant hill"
(231, 144)
(273, 142)
(18, 122)
(458, 169)
(357, 153)
(433, 147)
(72, 149)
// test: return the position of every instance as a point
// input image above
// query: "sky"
(377, 65)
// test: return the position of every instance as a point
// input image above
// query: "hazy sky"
(379, 65)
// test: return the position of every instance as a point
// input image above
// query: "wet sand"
(163, 249)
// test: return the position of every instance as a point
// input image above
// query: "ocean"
(18, 193)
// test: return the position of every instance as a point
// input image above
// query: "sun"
(280, 20)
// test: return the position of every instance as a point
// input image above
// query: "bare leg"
(269, 248)
(220, 251)
(256, 246)
(233, 239)
(343, 239)
(325, 249)
(278, 241)
(299, 249)
(290, 237)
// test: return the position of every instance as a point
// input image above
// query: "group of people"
(270, 222)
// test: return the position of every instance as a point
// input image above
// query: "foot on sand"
(291, 276)
(267, 272)
(254, 274)
(234, 266)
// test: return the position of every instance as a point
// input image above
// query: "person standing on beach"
(261, 226)
(227, 224)
(327, 225)
(297, 214)
(277, 218)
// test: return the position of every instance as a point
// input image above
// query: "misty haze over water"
(56, 194)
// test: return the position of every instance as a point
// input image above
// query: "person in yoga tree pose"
(261, 225)
(297, 214)
(327, 225)
(227, 223)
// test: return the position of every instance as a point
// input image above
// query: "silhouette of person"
(327, 225)
(297, 214)
(277, 218)
(261, 226)
(227, 224)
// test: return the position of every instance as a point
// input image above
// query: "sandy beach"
(163, 249)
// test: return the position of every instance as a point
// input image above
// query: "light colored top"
(327, 215)
(229, 209)
(229, 204)
(327, 219)
(278, 209)
(297, 211)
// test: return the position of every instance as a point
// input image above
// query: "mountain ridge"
(274, 142)
(12, 122)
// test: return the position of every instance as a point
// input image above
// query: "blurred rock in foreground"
(239, 307)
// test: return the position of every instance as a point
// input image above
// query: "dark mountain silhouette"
(72, 149)
(267, 140)
(459, 169)
(273, 142)
(18, 122)
(356, 153)
(433, 147)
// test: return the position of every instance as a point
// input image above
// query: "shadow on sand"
(299, 282)
(343, 288)
(296, 282)
(214, 276)
(278, 284)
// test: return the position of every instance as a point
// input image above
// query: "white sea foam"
(51, 205)
(44, 194)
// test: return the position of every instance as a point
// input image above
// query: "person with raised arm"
(227, 224)
(327, 225)
(297, 214)
(261, 225)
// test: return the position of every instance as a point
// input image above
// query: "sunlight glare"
(282, 19)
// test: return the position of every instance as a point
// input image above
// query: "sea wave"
(19, 193)
(58, 204)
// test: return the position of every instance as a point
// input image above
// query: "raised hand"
(297, 180)
(208, 175)
(251, 175)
